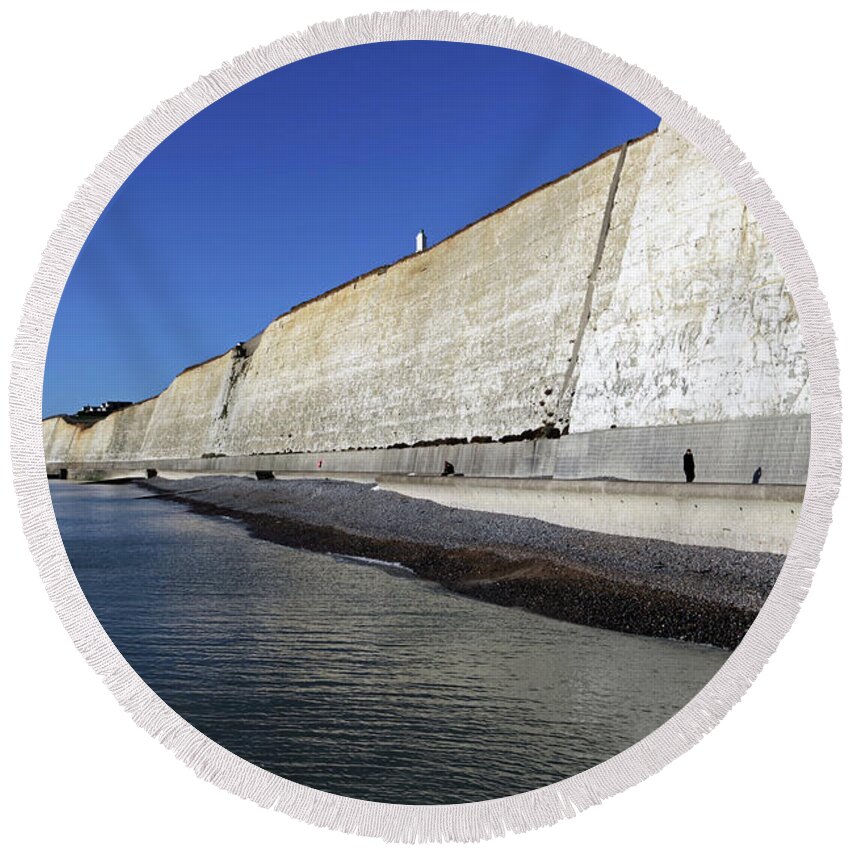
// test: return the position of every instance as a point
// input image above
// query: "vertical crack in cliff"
(563, 405)
(238, 367)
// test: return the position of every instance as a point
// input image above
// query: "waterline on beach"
(355, 680)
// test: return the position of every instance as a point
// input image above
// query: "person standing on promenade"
(690, 469)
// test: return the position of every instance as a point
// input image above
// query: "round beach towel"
(433, 435)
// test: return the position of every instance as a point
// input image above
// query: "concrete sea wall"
(738, 516)
(725, 452)
(620, 303)
(742, 517)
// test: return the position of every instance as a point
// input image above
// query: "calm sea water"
(355, 678)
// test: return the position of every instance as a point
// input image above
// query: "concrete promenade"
(738, 516)
(745, 517)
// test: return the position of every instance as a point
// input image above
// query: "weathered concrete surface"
(739, 516)
(520, 459)
(688, 320)
(724, 452)
(743, 517)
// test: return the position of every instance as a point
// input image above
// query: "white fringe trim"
(472, 821)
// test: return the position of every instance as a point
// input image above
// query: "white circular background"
(405, 822)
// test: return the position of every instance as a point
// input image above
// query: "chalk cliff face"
(637, 291)
(693, 322)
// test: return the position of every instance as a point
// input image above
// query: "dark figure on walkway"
(757, 476)
(690, 469)
(448, 469)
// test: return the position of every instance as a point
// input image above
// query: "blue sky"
(301, 180)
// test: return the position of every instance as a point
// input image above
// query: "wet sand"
(651, 587)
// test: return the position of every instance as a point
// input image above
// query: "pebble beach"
(651, 587)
